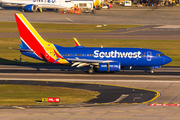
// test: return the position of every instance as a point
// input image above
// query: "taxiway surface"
(143, 33)
(167, 84)
(146, 32)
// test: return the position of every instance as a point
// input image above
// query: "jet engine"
(30, 8)
(108, 67)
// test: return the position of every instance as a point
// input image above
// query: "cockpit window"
(160, 54)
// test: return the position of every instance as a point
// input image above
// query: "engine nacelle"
(30, 8)
(108, 67)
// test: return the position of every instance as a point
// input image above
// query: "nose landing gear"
(152, 71)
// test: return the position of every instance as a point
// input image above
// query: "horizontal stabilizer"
(57, 60)
(22, 50)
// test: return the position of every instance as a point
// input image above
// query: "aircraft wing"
(85, 62)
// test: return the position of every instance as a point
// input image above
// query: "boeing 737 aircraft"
(98, 59)
(34, 5)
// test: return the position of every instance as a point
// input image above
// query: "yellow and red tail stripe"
(42, 49)
(77, 42)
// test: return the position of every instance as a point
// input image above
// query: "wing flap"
(76, 63)
(85, 62)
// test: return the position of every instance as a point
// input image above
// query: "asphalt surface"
(117, 15)
(164, 81)
(143, 33)
(146, 32)
(167, 85)
(68, 70)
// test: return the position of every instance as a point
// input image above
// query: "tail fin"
(28, 34)
(33, 41)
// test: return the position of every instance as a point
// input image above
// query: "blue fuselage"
(125, 56)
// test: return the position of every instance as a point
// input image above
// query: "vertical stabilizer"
(32, 40)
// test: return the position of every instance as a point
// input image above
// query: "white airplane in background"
(34, 5)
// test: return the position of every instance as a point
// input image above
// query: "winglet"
(76, 42)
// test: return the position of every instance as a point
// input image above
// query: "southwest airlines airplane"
(98, 59)
(34, 5)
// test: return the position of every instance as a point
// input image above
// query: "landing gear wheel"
(152, 71)
(93, 11)
(90, 71)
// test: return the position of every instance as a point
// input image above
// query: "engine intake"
(108, 67)
(30, 8)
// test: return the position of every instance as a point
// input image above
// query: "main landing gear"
(91, 70)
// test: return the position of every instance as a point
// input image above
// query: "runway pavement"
(146, 32)
(68, 71)
(167, 85)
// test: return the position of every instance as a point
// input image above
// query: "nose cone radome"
(167, 59)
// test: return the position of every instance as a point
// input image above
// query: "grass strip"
(65, 28)
(30, 94)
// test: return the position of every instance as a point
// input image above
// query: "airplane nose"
(167, 59)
